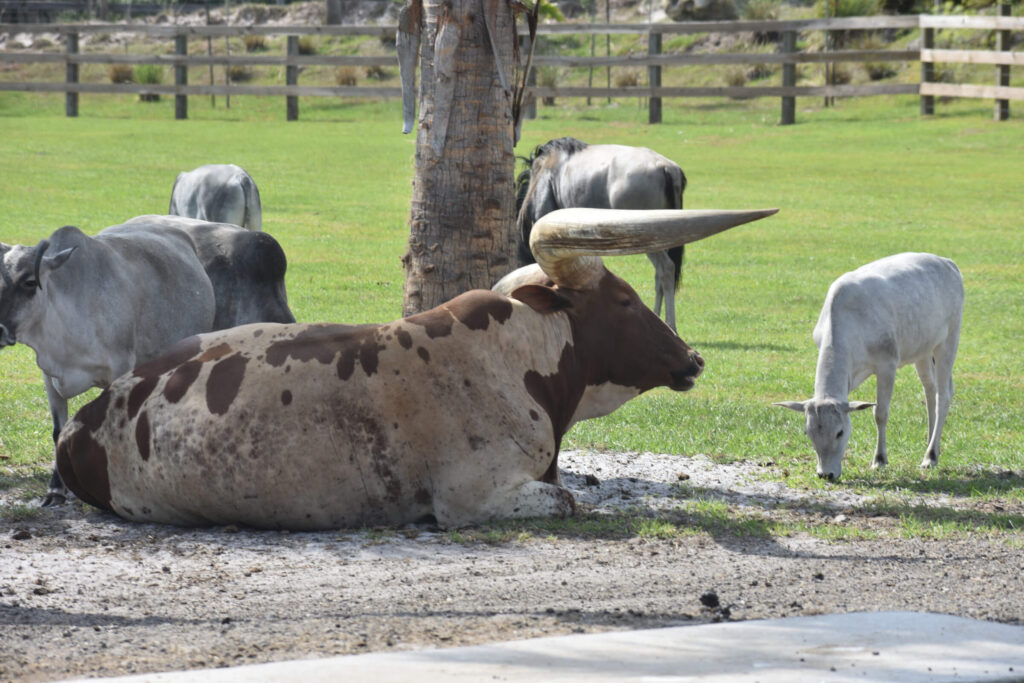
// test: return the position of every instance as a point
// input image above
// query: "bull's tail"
(675, 185)
(253, 211)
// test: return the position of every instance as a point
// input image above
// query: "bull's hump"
(475, 310)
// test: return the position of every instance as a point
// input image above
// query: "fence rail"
(1002, 59)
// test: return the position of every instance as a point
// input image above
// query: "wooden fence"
(655, 61)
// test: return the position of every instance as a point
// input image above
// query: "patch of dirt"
(84, 593)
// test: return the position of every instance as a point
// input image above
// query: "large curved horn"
(568, 243)
(40, 250)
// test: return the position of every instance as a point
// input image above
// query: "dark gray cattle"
(566, 173)
(219, 193)
(92, 308)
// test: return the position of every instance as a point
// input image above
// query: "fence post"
(927, 72)
(788, 79)
(181, 76)
(291, 77)
(1002, 111)
(654, 78)
(71, 76)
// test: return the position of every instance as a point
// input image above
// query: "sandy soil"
(83, 593)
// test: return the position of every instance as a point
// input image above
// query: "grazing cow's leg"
(532, 499)
(886, 381)
(664, 286)
(58, 493)
(944, 356)
(926, 373)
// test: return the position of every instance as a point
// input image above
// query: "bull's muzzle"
(685, 379)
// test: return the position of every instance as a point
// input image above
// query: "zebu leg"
(943, 356)
(58, 493)
(926, 373)
(886, 381)
(664, 286)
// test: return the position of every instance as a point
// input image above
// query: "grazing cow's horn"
(568, 243)
(40, 250)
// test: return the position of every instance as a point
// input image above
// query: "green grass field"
(854, 183)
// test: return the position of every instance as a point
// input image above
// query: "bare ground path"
(662, 540)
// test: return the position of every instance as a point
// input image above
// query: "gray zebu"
(897, 310)
(218, 193)
(566, 173)
(454, 414)
(92, 308)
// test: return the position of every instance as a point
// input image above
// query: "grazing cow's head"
(625, 347)
(22, 272)
(828, 426)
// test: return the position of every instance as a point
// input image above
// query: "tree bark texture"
(463, 201)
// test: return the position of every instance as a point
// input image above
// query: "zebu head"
(22, 272)
(535, 192)
(625, 347)
(828, 425)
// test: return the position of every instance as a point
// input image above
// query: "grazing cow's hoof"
(879, 462)
(53, 499)
(930, 460)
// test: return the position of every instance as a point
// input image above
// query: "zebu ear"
(541, 299)
(52, 262)
(859, 405)
(798, 406)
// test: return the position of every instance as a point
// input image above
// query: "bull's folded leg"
(532, 499)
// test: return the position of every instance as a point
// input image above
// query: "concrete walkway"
(883, 646)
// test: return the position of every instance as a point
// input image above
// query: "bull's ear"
(798, 406)
(859, 405)
(540, 298)
(57, 260)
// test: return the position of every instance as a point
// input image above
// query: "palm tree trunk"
(460, 223)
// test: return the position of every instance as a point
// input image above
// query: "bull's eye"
(839, 434)
(626, 302)
(29, 283)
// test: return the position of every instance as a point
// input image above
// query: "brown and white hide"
(455, 414)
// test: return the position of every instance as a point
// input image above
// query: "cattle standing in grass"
(92, 308)
(566, 173)
(218, 193)
(897, 310)
(454, 415)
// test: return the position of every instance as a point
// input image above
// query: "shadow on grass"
(737, 346)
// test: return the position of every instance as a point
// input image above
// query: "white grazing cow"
(898, 310)
(217, 193)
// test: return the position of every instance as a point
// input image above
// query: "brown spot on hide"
(94, 413)
(181, 379)
(558, 394)
(257, 333)
(476, 442)
(82, 464)
(286, 397)
(223, 383)
(119, 403)
(346, 366)
(139, 393)
(404, 338)
(318, 342)
(142, 435)
(475, 309)
(437, 322)
(534, 415)
(324, 343)
(175, 356)
(424, 354)
(215, 353)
